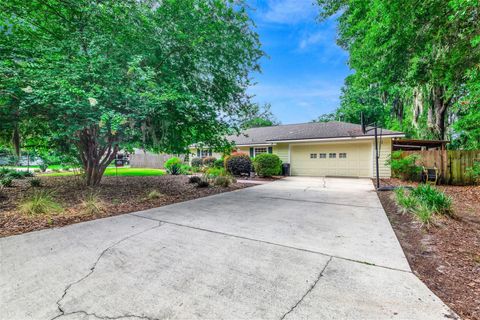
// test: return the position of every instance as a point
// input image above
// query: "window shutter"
(210, 152)
(270, 150)
(198, 153)
(251, 152)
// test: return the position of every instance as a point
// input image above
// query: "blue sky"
(305, 70)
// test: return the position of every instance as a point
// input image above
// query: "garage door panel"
(356, 164)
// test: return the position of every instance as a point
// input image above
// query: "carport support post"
(376, 156)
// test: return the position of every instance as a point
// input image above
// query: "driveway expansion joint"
(91, 271)
(320, 275)
(271, 243)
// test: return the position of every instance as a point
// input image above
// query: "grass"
(121, 172)
(92, 204)
(40, 202)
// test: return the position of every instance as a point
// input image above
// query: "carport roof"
(304, 131)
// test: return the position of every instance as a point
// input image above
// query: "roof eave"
(393, 135)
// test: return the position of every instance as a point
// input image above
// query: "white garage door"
(342, 159)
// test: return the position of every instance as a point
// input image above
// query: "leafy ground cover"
(445, 256)
(116, 195)
(112, 171)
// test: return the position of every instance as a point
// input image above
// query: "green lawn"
(123, 172)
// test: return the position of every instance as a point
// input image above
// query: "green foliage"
(6, 172)
(194, 179)
(87, 78)
(433, 198)
(174, 166)
(267, 165)
(424, 202)
(154, 194)
(209, 161)
(416, 66)
(404, 167)
(215, 172)
(238, 164)
(474, 172)
(40, 202)
(405, 201)
(6, 182)
(218, 163)
(92, 204)
(43, 167)
(197, 162)
(35, 183)
(223, 181)
(259, 116)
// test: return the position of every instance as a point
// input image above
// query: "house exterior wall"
(385, 151)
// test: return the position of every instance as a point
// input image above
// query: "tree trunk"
(440, 105)
(95, 156)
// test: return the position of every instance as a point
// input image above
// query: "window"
(313, 156)
(322, 155)
(258, 151)
(205, 153)
(342, 155)
(332, 155)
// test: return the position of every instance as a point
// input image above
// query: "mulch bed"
(118, 195)
(446, 256)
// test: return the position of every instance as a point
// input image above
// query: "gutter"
(339, 139)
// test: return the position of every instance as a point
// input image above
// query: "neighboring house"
(145, 159)
(318, 148)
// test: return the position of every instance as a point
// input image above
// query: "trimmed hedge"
(238, 164)
(267, 165)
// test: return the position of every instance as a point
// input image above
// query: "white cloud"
(290, 11)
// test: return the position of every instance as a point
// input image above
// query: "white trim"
(255, 145)
(341, 139)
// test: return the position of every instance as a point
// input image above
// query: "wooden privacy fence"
(451, 163)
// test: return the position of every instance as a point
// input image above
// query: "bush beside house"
(238, 164)
(267, 165)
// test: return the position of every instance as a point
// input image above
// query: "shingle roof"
(303, 131)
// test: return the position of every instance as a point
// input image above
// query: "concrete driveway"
(299, 248)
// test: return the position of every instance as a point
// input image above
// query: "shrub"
(405, 201)
(474, 172)
(209, 161)
(92, 204)
(203, 183)
(5, 171)
(223, 181)
(404, 167)
(433, 198)
(424, 201)
(218, 163)
(238, 164)
(154, 194)
(15, 174)
(66, 168)
(40, 202)
(174, 166)
(35, 182)
(267, 165)
(215, 172)
(6, 182)
(197, 162)
(26, 174)
(43, 167)
(194, 179)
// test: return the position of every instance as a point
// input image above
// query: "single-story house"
(318, 148)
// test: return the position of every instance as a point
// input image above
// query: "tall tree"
(411, 57)
(259, 116)
(98, 75)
